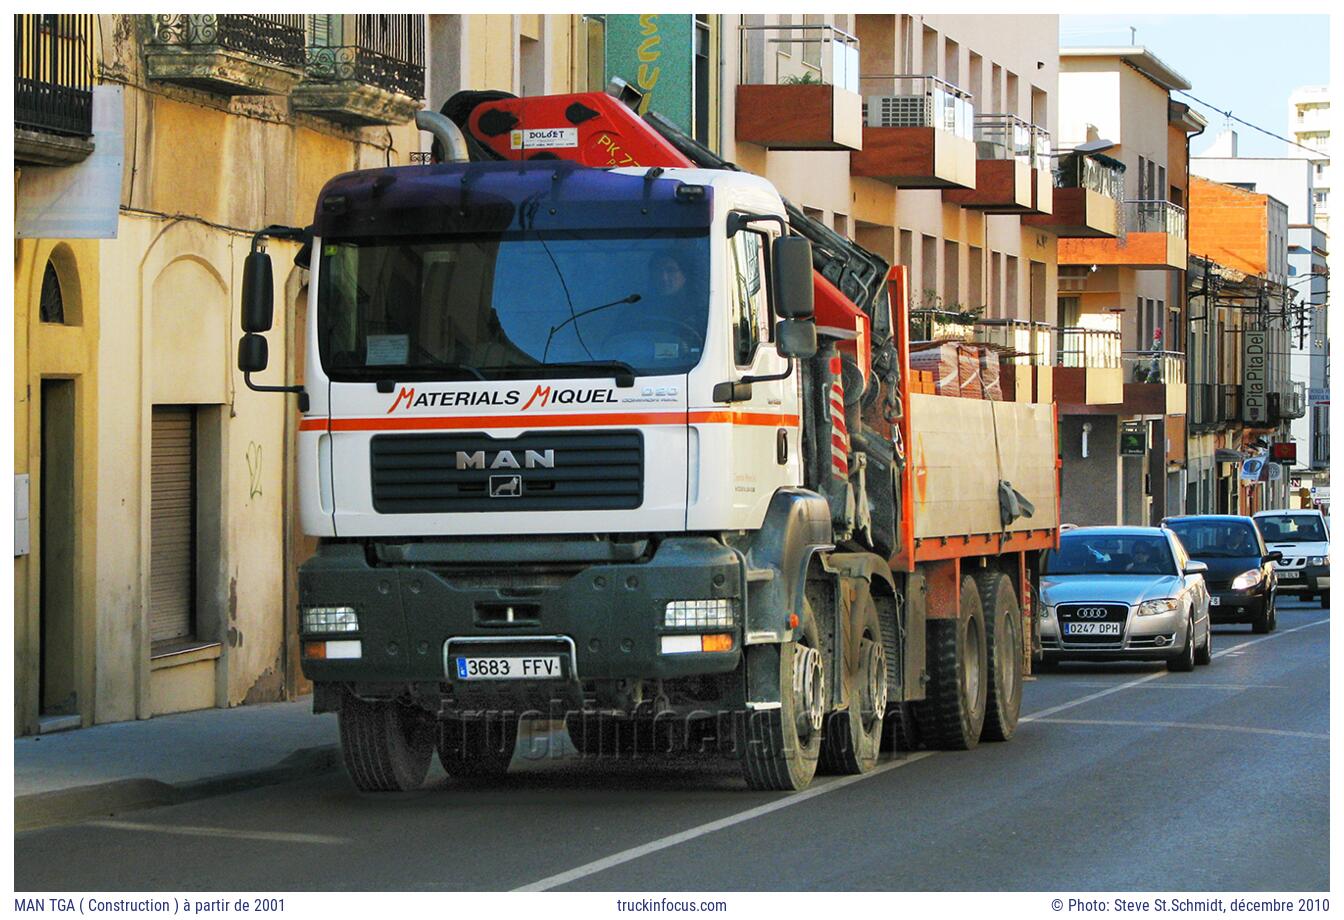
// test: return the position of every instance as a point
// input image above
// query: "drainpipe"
(446, 133)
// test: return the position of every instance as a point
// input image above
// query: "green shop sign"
(655, 54)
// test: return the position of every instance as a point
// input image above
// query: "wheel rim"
(970, 663)
(809, 685)
(874, 695)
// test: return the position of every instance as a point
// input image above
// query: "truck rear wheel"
(953, 711)
(478, 745)
(779, 747)
(386, 745)
(1003, 652)
(853, 737)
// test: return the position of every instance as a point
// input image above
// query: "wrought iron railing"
(1027, 342)
(1290, 403)
(273, 37)
(1154, 216)
(1080, 346)
(917, 101)
(53, 73)
(1165, 367)
(386, 51)
(806, 53)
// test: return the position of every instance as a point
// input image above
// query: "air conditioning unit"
(898, 111)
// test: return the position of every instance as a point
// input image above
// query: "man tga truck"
(575, 444)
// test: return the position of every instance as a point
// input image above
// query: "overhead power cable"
(1228, 114)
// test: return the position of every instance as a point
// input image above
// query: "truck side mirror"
(253, 354)
(796, 338)
(793, 277)
(258, 293)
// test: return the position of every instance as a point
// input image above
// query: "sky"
(1246, 64)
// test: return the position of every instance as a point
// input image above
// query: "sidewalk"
(74, 775)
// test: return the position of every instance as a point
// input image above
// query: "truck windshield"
(553, 303)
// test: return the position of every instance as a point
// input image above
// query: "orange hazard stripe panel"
(597, 420)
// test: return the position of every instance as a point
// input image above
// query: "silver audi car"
(1115, 593)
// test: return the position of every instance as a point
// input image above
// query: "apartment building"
(156, 543)
(1122, 288)
(1242, 396)
(1309, 125)
(1292, 181)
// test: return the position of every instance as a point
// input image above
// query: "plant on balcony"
(803, 79)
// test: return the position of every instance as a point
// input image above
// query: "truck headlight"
(1166, 605)
(719, 613)
(1246, 580)
(330, 620)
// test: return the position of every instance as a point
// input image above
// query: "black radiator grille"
(562, 471)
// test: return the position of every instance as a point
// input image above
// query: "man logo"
(506, 460)
(506, 486)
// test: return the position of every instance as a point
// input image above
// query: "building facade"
(157, 548)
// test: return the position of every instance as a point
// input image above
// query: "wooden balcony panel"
(799, 117)
(1136, 250)
(1001, 187)
(1077, 213)
(1090, 390)
(915, 158)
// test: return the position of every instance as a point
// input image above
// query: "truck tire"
(953, 711)
(478, 745)
(853, 736)
(1003, 652)
(779, 748)
(387, 746)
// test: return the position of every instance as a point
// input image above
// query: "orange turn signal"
(314, 650)
(793, 621)
(716, 642)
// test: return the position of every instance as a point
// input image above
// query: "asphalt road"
(1121, 777)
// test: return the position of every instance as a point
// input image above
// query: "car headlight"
(330, 620)
(1319, 560)
(1047, 611)
(1165, 605)
(1246, 580)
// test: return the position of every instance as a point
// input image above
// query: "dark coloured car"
(1242, 582)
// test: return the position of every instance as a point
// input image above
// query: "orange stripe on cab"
(594, 420)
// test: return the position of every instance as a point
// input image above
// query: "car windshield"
(1291, 528)
(1217, 539)
(1082, 553)
(552, 303)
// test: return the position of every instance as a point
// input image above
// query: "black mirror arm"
(264, 388)
(279, 232)
(763, 378)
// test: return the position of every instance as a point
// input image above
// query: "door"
(57, 630)
(172, 527)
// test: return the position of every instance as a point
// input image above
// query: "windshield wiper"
(625, 374)
(628, 298)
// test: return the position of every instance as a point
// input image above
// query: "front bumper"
(1238, 606)
(1148, 638)
(1310, 579)
(606, 620)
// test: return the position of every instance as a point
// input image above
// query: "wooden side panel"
(956, 468)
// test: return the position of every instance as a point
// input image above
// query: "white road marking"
(662, 843)
(1185, 686)
(1203, 727)
(797, 798)
(230, 833)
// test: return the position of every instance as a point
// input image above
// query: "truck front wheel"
(953, 710)
(477, 746)
(779, 742)
(386, 745)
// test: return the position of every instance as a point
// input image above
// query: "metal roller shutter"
(172, 524)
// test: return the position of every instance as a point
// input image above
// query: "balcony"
(1286, 405)
(231, 54)
(1025, 350)
(1087, 196)
(363, 69)
(1154, 382)
(918, 133)
(53, 88)
(1088, 374)
(1002, 167)
(1154, 237)
(798, 88)
(1042, 173)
